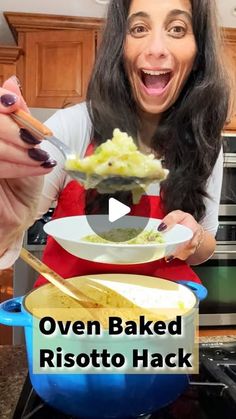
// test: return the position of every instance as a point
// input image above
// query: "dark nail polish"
(8, 100)
(27, 137)
(38, 154)
(49, 163)
(169, 259)
(162, 227)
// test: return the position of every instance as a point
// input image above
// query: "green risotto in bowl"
(127, 236)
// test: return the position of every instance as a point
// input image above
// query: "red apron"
(71, 202)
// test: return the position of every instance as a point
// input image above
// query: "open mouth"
(155, 80)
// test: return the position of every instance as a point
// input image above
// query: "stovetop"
(211, 394)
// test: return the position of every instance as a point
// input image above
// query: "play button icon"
(109, 214)
(116, 210)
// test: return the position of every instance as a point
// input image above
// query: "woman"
(159, 77)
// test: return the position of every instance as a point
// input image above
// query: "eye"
(138, 31)
(177, 31)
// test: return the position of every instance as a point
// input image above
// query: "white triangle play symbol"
(117, 210)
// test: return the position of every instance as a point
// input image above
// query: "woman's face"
(159, 51)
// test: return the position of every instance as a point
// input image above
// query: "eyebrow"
(138, 14)
(172, 13)
(177, 12)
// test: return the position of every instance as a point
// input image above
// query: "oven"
(219, 273)
(219, 277)
(228, 194)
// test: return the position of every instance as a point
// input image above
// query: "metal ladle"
(104, 184)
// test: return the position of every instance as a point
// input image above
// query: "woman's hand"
(20, 154)
(22, 165)
(196, 250)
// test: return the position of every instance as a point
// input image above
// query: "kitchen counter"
(13, 369)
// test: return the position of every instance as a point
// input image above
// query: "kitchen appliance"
(228, 194)
(119, 396)
(219, 273)
(211, 394)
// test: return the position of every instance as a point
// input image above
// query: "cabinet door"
(57, 67)
(6, 71)
(8, 59)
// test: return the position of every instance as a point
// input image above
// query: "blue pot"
(100, 396)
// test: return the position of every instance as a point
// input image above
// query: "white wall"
(227, 12)
(58, 7)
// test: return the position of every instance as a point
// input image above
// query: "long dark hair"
(189, 133)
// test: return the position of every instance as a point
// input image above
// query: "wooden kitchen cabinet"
(57, 66)
(230, 54)
(59, 53)
(9, 56)
(6, 292)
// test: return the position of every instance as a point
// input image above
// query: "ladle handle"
(25, 120)
(57, 280)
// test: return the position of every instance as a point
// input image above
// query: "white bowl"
(69, 232)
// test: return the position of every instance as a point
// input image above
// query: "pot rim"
(180, 284)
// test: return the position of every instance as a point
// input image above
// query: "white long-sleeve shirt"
(73, 126)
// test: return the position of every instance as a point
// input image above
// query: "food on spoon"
(127, 236)
(119, 156)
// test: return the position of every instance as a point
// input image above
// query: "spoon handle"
(41, 132)
(25, 120)
(65, 286)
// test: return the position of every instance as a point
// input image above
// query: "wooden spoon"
(63, 285)
(68, 288)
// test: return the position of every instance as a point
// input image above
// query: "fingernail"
(8, 100)
(38, 154)
(169, 259)
(27, 137)
(49, 163)
(162, 227)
